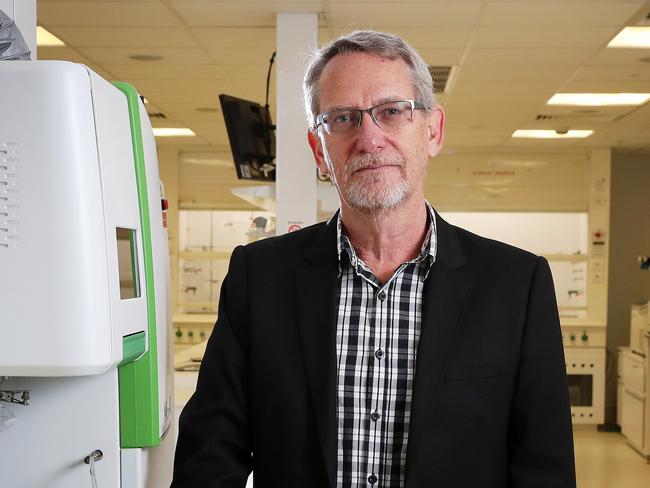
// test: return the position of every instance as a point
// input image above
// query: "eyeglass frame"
(415, 105)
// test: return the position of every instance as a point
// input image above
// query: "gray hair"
(385, 45)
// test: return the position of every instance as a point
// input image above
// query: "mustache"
(370, 160)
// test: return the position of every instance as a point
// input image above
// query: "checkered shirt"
(377, 333)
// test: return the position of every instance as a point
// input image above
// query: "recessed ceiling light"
(172, 132)
(45, 38)
(145, 57)
(632, 37)
(551, 134)
(598, 99)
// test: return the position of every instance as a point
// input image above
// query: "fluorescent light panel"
(550, 134)
(45, 38)
(598, 99)
(172, 132)
(632, 37)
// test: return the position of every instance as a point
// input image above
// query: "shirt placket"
(377, 354)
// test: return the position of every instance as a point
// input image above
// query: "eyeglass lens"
(388, 115)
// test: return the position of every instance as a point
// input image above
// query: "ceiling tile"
(353, 15)
(255, 72)
(473, 114)
(558, 14)
(63, 53)
(162, 85)
(638, 116)
(621, 57)
(239, 14)
(236, 36)
(504, 98)
(125, 36)
(542, 37)
(527, 57)
(621, 74)
(518, 94)
(515, 74)
(246, 56)
(608, 113)
(445, 57)
(119, 14)
(440, 37)
(186, 56)
(606, 86)
(149, 71)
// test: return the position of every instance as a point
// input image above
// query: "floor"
(604, 460)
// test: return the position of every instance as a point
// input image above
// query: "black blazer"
(490, 404)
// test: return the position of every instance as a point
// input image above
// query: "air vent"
(546, 117)
(9, 195)
(440, 75)
(157, 115)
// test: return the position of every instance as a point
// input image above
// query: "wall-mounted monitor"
(252, 138)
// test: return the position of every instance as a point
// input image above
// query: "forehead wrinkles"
(349, 78)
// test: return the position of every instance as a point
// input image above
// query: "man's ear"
(317, 150)
(436, 126)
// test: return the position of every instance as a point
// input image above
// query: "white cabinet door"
(632, 418)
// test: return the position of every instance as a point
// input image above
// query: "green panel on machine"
(139, 414)
(133, 346)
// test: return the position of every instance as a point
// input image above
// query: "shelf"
(195, 318)
(214, 254)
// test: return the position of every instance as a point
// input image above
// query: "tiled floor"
(604, 460)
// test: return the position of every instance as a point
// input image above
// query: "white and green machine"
(86, 378)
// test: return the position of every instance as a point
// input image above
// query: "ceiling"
(509, 58)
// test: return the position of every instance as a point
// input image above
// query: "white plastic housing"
(65, 150)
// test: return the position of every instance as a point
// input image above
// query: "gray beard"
(370, 192)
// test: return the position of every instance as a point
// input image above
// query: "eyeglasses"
(388, 116)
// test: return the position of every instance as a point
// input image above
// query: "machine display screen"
(127, 257)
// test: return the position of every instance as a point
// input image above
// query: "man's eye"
(342, 118)
(391, 112)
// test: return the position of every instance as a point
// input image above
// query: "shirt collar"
(428, 249)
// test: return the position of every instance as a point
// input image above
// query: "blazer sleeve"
(540, 437)
(214, 441)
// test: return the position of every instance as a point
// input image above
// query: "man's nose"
(369, 136)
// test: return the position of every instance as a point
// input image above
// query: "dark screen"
(252, 138)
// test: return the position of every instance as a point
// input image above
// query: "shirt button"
(375, 416)
(382, 295)
(372, 479)
(379, 354)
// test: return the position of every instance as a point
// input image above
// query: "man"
(386, 347)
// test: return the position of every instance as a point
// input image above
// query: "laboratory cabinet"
(633, 406)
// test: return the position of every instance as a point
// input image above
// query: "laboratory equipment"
(84, 283)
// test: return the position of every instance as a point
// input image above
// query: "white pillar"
(296, 183)
(23, 12)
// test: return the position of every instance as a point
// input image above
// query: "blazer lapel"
(316, 302)
(445, 293)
